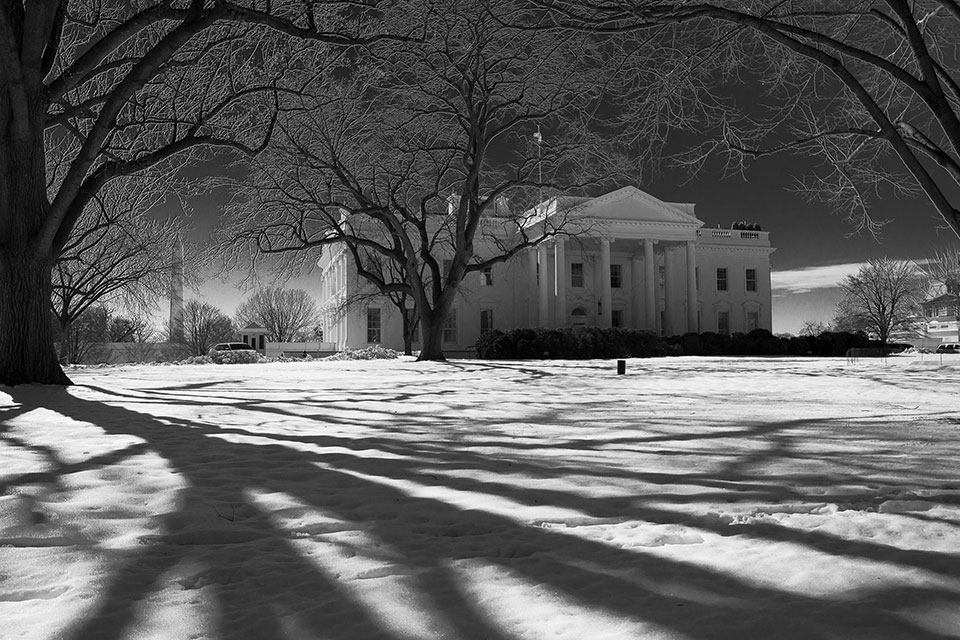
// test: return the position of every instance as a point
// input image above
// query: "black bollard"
(621, 367)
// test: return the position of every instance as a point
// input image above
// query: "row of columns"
(557, 286)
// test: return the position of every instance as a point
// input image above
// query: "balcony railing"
(730, 233)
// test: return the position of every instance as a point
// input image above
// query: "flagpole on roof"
(539, 138)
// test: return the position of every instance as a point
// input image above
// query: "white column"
(533, 310)
(692, 286)
(544, 290)
(606, 295)
(560, 281)
(636, 292)
(650, 285)
(669, 295)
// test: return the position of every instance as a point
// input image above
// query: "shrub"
(244, 356)
(376, 352)
(577, 343)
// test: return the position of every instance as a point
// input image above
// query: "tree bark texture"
(27, 353)
(432, 346)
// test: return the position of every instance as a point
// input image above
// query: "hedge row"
(581, 343)
(761, 342)
(577, 343)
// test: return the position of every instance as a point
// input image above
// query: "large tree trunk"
(27, 353)
(432, 329)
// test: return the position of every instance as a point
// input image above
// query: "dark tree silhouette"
(425, 154)
(94, 90)
(871, 89)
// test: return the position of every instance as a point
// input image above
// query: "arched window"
(578, 317)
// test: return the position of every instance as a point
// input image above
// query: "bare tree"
(812, 328)
(81, 338)
(203, 326)
(284, 313)
(426, 154)
(883, 297)
(870, 88)
(943, 270)
(118, 254)
(93, 90)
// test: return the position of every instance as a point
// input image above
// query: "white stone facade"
(636, 262)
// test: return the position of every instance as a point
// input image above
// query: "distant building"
(255, 336)
(638, 262)
(942, 314)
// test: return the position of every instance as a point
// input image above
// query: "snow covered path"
(693, 498)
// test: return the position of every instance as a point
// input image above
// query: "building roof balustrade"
(734, 236)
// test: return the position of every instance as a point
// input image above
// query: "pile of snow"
(375, 352)
(690, 498)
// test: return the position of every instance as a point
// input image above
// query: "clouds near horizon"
(812, 278)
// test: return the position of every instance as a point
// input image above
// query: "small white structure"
(637, 262)
(942, 315)
(255, 336)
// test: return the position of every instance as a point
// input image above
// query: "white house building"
(638, 262)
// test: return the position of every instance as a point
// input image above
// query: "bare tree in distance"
(203, 326)
(288, 315)
(943, 270)
(94, 90)
(883, 297)
(870, 89)
(118, 255)
(426, 154)
(80, 340)
(812, 328)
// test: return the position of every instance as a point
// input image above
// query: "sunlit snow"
(692, 498)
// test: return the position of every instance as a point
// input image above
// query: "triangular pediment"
(630, 204)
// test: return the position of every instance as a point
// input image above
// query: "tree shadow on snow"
(424, 539)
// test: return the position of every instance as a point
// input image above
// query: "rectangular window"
(486, 277)
(723, 322)
(751, 279)
(753, 320)
(576, 274)
(373, 324)
(486, 321)
(616, 276)
(450, 327)
(697, 274)
(721, 279)
(616, 318)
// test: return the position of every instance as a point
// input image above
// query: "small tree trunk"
(27, 352)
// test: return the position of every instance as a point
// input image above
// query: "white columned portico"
(543, 302)
(636, 292)
(649, 285)
(606, 293)
(692, 287)
(560, 280)
(533, 311)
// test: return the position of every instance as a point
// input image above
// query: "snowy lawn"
(692, 498)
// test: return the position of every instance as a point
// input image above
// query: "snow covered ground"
(692, 498)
